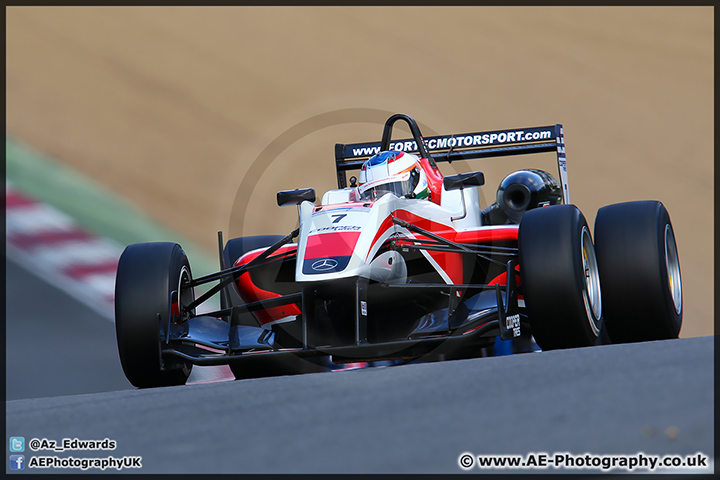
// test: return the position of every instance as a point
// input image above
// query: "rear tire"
(147, 273)
(640, 272)
(559, 275)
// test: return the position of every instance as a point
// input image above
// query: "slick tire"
(147, 273)
(560, 278)
(640, 272)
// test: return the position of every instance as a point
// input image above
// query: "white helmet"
(394, 172)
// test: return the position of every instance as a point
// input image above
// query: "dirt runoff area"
(199, 115)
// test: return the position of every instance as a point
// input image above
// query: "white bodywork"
(343, 224)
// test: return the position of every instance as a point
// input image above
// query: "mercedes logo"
(324, 265)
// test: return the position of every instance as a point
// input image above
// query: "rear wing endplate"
(465, 146)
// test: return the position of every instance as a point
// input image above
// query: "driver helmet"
(394, 172)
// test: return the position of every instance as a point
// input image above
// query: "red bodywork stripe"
(450, 263)
(337, 244)
(384, 227)
(434, 179)
(426, 224)
(249, 292)
(502, 279)
(488, 235)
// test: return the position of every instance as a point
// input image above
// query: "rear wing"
(464, 146)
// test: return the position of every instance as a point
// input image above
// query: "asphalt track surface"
(655, 398)
(55, 344)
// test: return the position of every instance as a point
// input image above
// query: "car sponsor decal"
(463, 140)
(335, 228)
(315, 266)
(512, 322)
(324, 265)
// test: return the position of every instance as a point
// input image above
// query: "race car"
(405, 263)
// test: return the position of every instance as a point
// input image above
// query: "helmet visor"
(399, 185)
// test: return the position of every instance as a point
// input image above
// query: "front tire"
(640, 271)
(560, 279)
(147, 273)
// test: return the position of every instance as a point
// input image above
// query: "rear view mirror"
(462, 180)
(295, 197)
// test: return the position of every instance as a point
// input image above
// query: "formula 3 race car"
(404, 263)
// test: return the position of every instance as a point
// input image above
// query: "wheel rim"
(591, 282)
(185, 295)
(673, 269)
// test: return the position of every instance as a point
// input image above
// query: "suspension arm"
(228, 275)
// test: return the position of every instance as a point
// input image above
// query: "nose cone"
(343, 240)
(329, 241)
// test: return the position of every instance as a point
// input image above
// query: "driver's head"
(394, 172)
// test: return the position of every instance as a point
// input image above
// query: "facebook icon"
(17, 462)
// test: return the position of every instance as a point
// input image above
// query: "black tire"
(559, 275)
(236, 248)
(147, 273)
(640, 272)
